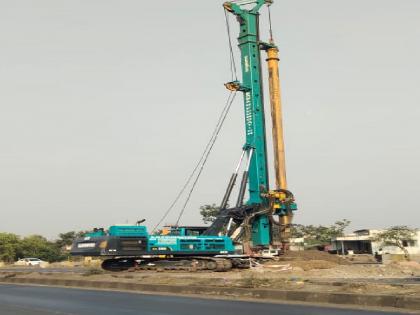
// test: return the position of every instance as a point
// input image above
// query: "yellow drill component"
(278, 139)
(277, 118)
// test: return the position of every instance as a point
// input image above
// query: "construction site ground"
(307, 271)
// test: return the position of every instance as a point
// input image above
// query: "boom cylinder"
(231, 183)
(244, 182)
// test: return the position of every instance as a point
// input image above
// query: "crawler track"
(172, 264)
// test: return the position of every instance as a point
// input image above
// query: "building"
(297, 244)
(360, 242)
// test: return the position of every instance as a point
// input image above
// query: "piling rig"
(262, 221)
(253, 222)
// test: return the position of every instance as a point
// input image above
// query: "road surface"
(36, 300)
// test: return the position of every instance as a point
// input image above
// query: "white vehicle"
(30, 262)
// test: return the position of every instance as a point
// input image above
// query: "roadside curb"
(361, 300)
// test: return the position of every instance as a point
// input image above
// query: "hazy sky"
(105, 106)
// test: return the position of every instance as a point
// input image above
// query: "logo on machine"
(246, 63)
(248, 115)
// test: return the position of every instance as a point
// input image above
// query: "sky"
(106, 106)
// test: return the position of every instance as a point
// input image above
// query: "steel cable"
(270, 24)
(222, 116)
(233, 69)
(204, 156)
(212, 141)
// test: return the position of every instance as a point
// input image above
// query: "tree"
(9, 244)
(39, 247)
(209, 213)
(319, 235)
(396, 236)
(66, 239)
(13, 247)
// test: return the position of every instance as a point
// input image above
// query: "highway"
(37, 300)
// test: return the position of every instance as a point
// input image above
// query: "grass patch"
(93, 271)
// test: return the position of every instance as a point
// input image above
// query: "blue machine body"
(134, 240)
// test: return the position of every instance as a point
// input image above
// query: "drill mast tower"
(263, 203)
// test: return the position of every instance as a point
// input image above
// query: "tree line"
(14, 247)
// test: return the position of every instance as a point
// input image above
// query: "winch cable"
(233, 69)
(229, 102)
(270, 24)
(203, 156)
(234, 76)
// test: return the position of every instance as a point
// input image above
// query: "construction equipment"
(252, 223)
(255, 219)
(128, 246)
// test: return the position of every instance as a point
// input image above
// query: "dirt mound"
(312, 264)
(311, 255)
(409, 264)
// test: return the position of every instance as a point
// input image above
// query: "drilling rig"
(262, 221)
(255, 220)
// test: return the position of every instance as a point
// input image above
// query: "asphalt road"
(33, 300)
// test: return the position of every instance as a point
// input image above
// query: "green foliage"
(39, 247)
(13, 247)
(66, 239)
(319, 235)
(395, 236)
(253, 281)
(9, 245)
(209, 213)
(93, 271)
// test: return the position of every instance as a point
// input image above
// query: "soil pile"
(314, 255)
